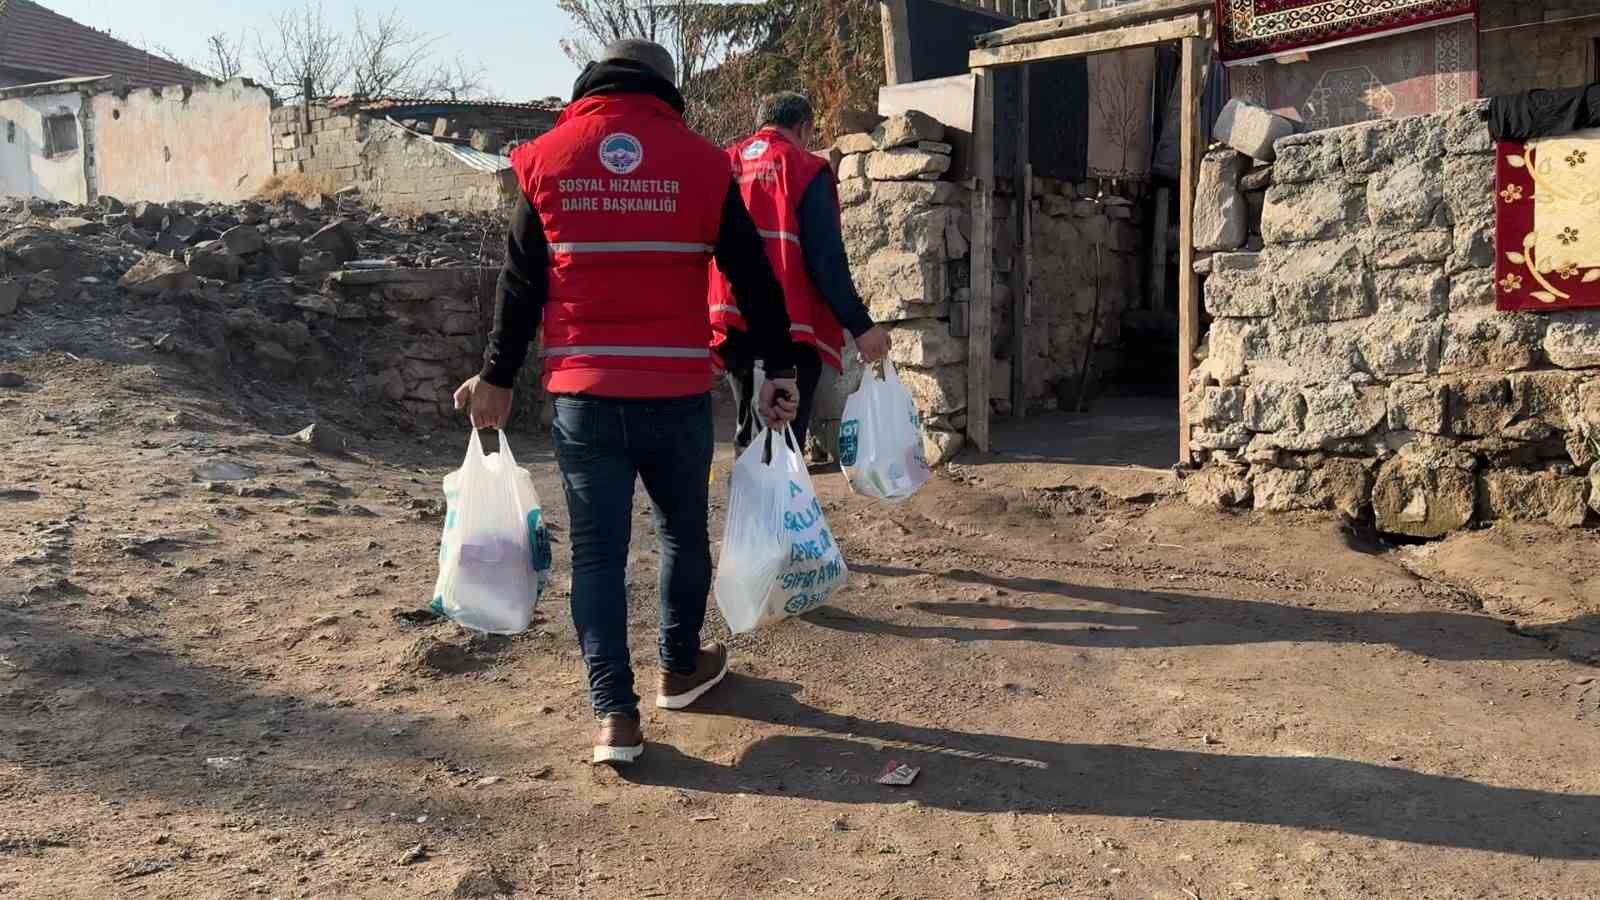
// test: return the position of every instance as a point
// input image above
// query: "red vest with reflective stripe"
(631, 203)
(773, 175)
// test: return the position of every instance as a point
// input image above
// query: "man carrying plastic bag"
(779, 558)
(880, 438)
(623, 209)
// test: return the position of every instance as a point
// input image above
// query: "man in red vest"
(623, 209)
(792, 195)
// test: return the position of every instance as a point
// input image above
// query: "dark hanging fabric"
(1058, 119)
(1542, 113)
(1169, 110)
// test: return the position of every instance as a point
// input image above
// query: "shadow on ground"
(1150, 619)
(986, 773)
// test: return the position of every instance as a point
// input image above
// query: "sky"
(516, 41)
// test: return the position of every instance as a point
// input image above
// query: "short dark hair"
(785, 110)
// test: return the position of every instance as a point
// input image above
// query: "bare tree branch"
(388, 58)
(302, 48)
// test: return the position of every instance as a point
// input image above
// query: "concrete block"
(1251, 130)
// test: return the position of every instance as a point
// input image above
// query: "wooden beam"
(1146, 35)
(1192, 66)
(1094, 20)
(1021, 271)
(980, 355)
(896, 41)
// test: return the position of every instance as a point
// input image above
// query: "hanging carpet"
(1257, 29)
(1547, 227)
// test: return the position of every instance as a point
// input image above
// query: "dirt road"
(221, 688)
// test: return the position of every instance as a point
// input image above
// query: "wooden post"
(1188, 282)
(980, 355)
(1022, 275)
(896, 41)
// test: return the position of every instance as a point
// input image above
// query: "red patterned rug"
(1254, 29)
(1547, 230)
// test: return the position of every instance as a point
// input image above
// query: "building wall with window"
(42, 147)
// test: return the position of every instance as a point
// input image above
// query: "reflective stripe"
(780, 235)
(654, 352)
(630, 247)
(725, 308)
(803, 329)
(816, 342)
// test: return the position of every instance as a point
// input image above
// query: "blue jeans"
(602, 444)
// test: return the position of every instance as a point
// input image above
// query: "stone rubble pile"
(393, 307)
(1355, 359)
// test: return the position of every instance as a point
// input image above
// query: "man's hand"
(873, 345)
(491, 406)
(780, 401)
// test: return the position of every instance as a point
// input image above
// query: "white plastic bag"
(494, 556)
(779, 558)
(880, 438)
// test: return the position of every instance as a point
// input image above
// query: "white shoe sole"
(604, 755)
(681, 701)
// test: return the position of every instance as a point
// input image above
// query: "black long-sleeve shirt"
(524, 286)
(822, 242)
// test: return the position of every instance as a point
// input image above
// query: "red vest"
(631, 204)
(773, 175)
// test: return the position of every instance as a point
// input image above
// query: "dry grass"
(294, 187)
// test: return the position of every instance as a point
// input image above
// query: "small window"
(60, 135)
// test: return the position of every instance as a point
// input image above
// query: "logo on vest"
(755, 149)
(621, 153)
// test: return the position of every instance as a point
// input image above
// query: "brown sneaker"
(679, 691)
(620, 740)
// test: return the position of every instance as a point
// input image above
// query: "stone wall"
(906, 231)
(1356, 361)
(392, 166)
(426, 334)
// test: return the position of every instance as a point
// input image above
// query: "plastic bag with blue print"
(494, 556)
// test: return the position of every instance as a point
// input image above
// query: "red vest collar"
(773, 135)
(619, 105)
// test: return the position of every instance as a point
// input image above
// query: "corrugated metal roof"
(36, 39)
(476, 159)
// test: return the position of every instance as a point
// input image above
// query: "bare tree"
(456, 80)
(388, 58)
(599, 22)
(302, 49)
(223, 60)
(698, 33)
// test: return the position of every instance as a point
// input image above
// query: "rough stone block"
(1414, 499)
(1251, 130)
(1272, 406)
(1239, 292)
(1465, 132)
(1310, 355)
(1469, 195)
(1403, 250)
(1307, 157)
(905, 163)
(906, 129)
(1232, 344)
(1235, 437)
(926, 343)
(1472, 289)
(223, 266)
(1413, 293)
(1218, 488)
(1220, 220)
(937, 391)
(1339, 411)
(1472, 247)
(1281, 490)
(1580, 408)
(1393, 346)
(1573, 343)
(1322, 282)
(1417, 406)
(1257, 179)
(1406, 197)
(853, 165)
(1545, 396)
(1489, 340)
(1533, 497)
(1311, 212)
(1344, 485)
(155, 273)
(1478, 407)
(1216, 409)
